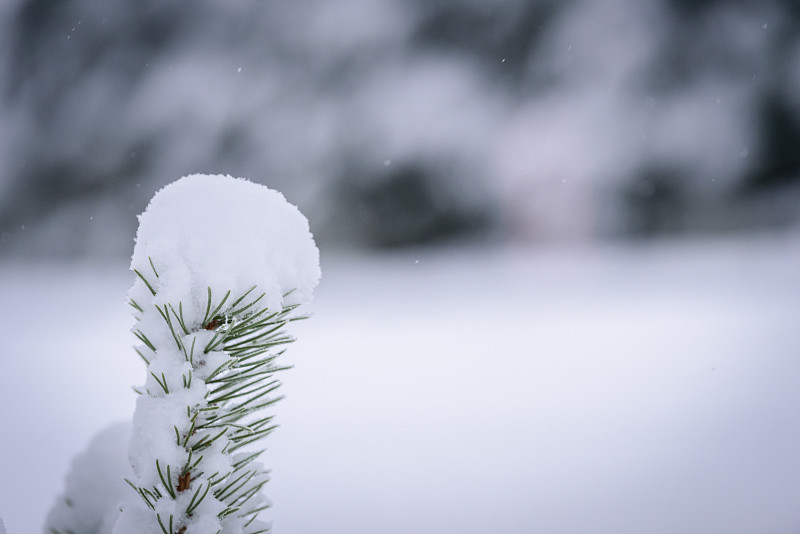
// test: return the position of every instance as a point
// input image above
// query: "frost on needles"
(221, 265)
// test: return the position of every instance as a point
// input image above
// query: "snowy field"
(627, 389)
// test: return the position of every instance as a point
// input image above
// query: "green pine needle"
(161, 524)
(168, 482)
(153, 266)
(208, 318)
(143, 338)
(140, 275)
(197, 499)
(161, 382)
(142, 356)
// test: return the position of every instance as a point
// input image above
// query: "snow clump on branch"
(221, 264)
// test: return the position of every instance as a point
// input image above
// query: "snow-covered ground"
(622, 389)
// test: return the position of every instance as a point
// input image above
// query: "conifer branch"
(213, 353)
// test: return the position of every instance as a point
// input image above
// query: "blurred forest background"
(402, 122)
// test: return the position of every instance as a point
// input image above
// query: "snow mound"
(95, 486)
(223, 233)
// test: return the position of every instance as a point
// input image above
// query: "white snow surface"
(223, 233)
(613, 390)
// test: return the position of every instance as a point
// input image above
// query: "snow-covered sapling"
(221, 265)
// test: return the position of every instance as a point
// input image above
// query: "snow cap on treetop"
(223, 233)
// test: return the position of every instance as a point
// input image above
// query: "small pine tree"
(221, 266)
(211, 344)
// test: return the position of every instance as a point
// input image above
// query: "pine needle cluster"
(231, 354)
